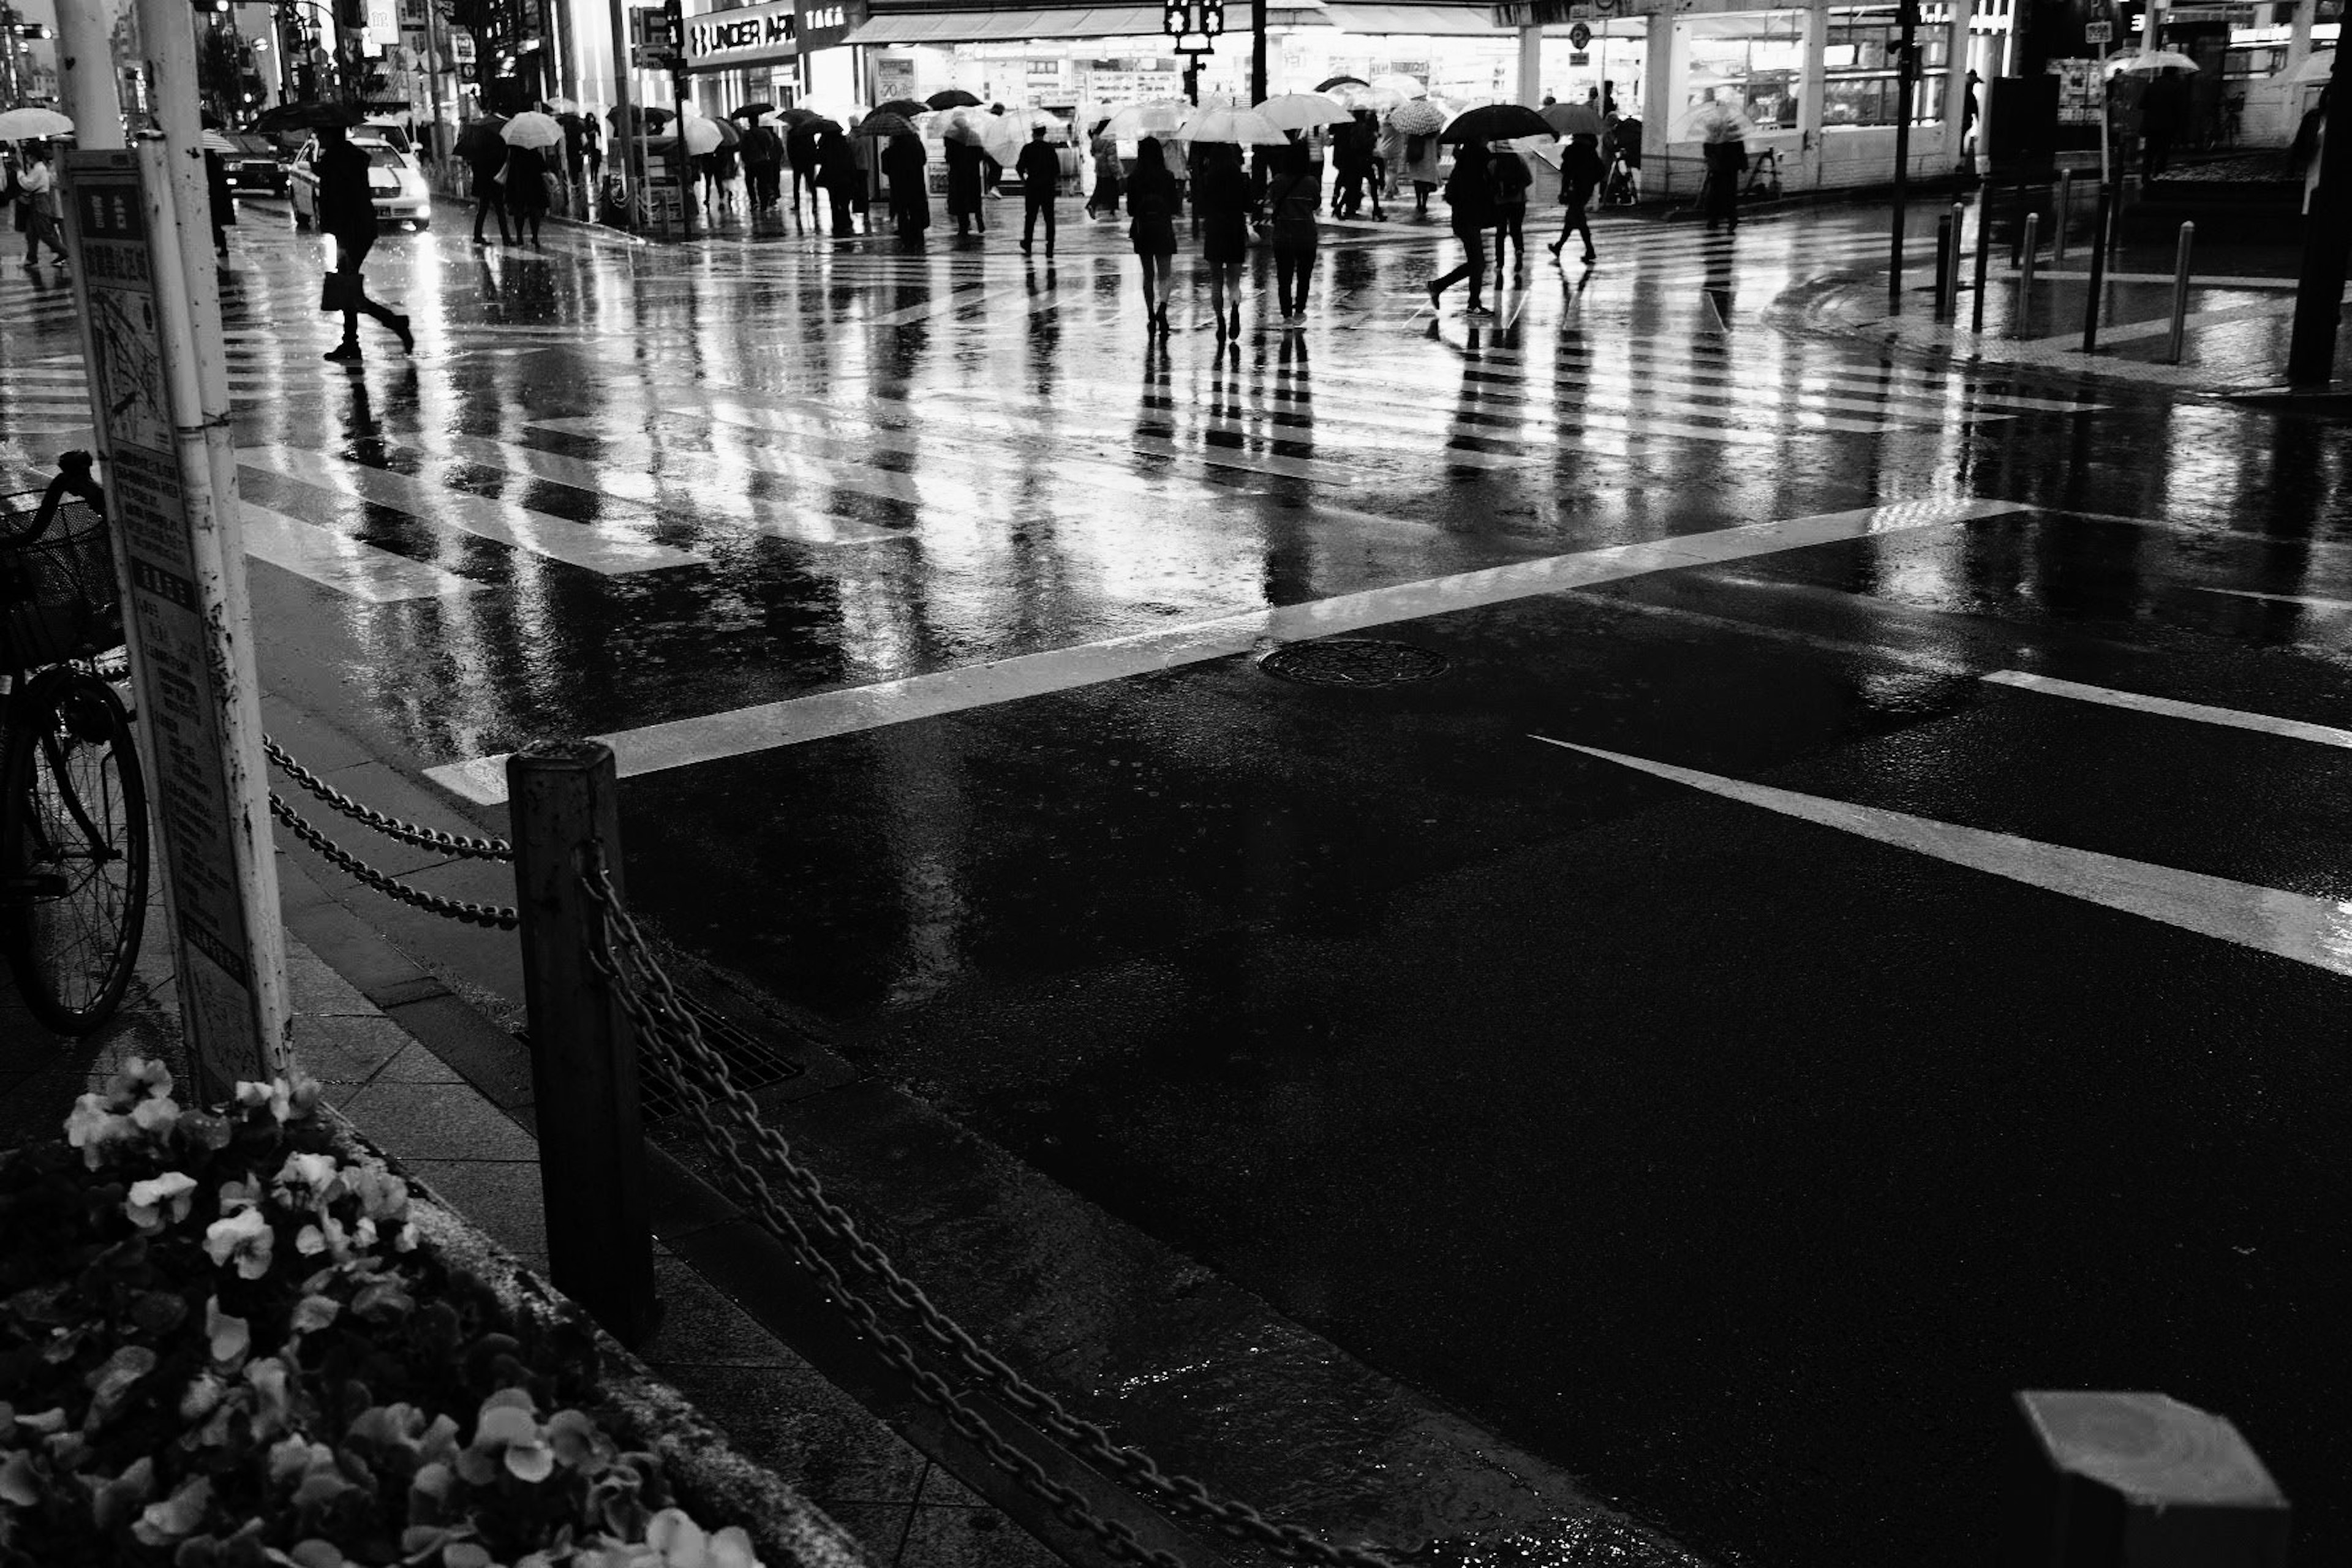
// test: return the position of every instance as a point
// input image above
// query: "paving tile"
(799, 1426)
(437, 1121)
(484, 1055)
(336, 1049)
(414, 1064)
(316, 989)
(950, 1528)
(501, 1197)
(879, 1528)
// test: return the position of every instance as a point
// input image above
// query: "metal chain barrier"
(496, 917)
(408, 833)
(658, 1013)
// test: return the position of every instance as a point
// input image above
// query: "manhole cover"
(1353, 661)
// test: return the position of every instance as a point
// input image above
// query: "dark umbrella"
(883, 123)
(1496, 123)
(799, 116)
(643, 117)
(904, 108)
(750, 111)
(952, 98)
(1328, 83)
(480, 140)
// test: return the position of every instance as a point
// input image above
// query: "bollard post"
(2181, 294)
(2112, 1477)
(591, 1152)
(1984, 265)
(2065, 210)
(2019, 317)
(1960, 242)
(2090, 311)
(1942, 257)
(2017, 240)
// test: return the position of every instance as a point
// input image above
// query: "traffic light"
(351, 13)
(1212, 17)
(1175, 17)
(674, 20)
(213, 7)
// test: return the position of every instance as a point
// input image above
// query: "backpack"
(1511, 180)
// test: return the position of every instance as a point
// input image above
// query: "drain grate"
(1353, 661)
(752, 1064)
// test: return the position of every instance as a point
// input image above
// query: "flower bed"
(222, 1345)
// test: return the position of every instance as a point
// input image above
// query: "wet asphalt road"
(1736, 1138)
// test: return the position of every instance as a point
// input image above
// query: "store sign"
(1553, 12)
(762, 29)
(825, 23)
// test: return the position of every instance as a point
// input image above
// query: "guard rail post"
(1984, 265)
(1945, 240)
(2092, 308)
(2020, 316)
(2058, 225)
(1960, 248)
(591, 1154)
(2181, 295)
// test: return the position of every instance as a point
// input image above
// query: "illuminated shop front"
(779, 52)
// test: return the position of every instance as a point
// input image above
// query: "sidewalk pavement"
(778, 1410)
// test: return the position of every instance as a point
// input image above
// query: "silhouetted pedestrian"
(1581, 174)
(763, 167)
(966, 170)
(1726, 161)
(1511, 178)
(1421, 168)
(1040, 168)
(36, 204)
(1151, 198)
(347, 212)
(838, 176)
(800, 144)
(910, 201)
(1469, 191)
(486, 155)
(2164, 113)
(1220, 198)
(1292, 196)
(526, 184)
(1109, 178)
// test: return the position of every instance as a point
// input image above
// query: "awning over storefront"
(1435, 21)
(895, 27)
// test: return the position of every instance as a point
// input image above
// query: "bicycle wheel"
(73, 822)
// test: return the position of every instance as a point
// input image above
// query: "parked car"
(256, 167)
(396, 179)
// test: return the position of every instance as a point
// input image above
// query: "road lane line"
(2230, 718)
(685, 743)
(579, 544)
(333, 560)
(2316, 931)
(2310, 600)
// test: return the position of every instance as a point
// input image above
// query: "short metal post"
(1943, 259)
(2019, 317)
(1960, 242)
(2065, 211)
(591, 1151)
(2092, 309)
(2017, 240)
(2181, 294)
(1984, 265)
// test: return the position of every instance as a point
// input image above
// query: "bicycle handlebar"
(72, 477)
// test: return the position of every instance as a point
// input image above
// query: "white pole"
(86, 75)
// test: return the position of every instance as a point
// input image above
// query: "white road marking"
(687, 741)
(346, 565)
(574, 543)
(2310, 600)
(2316, 931)
(2230, 718)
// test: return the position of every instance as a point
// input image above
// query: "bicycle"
(73, 800)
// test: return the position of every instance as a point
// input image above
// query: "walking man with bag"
(1040, 168)
(347, 212)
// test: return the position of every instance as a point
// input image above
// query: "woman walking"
(1291, 198)
(1580, 175)
(1469, 191)
(837, 176)
(1421, 168)
(1104, 197)
(965, 179)
(1511, 179)
(1221, 196)
(910, 200)
(526, 184)
(1152, 228)
(488, 162)
(36, 206)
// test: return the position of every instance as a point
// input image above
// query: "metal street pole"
(2326, 242)
(1907, 66)
(86, 75)
(1257, 50)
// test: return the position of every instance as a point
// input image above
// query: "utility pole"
(2326, 242)
(1257, 51)
(1906, 72)
(86, 75)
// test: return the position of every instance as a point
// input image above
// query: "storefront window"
(1755, 60)
(1861, 85)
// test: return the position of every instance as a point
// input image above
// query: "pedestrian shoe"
(407, 339)
(345, 353)
(1554, 248)
(1436, 297)
(1024, 247)
(1477, 310)
(1590, 258)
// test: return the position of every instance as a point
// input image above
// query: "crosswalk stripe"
(2199, 712)
(587, 545)
(347, 565)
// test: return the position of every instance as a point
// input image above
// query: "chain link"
(494, 916)
(624, 958)
(408, 833)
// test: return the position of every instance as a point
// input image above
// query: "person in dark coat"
(1511, 178)
(1220, 199)
(1580, 176)
(1292, 195)
(1040, 168)
(347, 212)
(837, 175)
(763, 167)
(2164, 114)
(1151, 199)
(222, 200)
(1469, 191)
(1726, 161)
(801, 155)
(486, 155)
(966, 172)
(910, 198)
(526, 185)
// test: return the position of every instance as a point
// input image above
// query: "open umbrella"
(751, 110)
(1158, 117)
(1572, 119)
(214, 141)
(1329, 82)
(1496, 122)
(1241, 127)
(531, 129)
(644, 117)
(702, 135)
(480, 140)
(1303, 111)
(952, 98)
(33, 125)
(904, 108)
(963, 124)
(1419, 118)
(881, 124)
(797, 115)
(2149, 60)
(1002, 136)
(1405, 87)
(1711, 122)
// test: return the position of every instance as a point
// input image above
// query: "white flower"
(149, 1199)
(231, 1338)
(139, 1078)
(244, 1235)
(157, 1114)
(683, 1544)
(381, 1195)
(275, 1095)
(308, 1181)
(92, 1125)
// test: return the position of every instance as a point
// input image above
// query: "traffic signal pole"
(1907, 71)
(2327, 243)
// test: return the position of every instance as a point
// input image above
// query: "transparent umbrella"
(1711, 122)
(1303, 111)
(531, 129)
(2149, 60)
(702, 135)
(1572, 119)
(1405, 87)
(1159, 117)
(33, 126)
(1241, 127)
(2314, 68)
(1003, 135)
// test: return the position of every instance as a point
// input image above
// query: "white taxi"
(394, 177)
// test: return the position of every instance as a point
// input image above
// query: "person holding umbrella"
(1291, 199)
(763, 164)
(1040, 168)
(347, 212)
(1220, 199)
(529, 137)
(36, 204)
(486, 155)
(838, 176)
(801, 156)
(1580, 176)
(1108, 177)
(1469, 190)
(911, 200)
(965, 178)
(1512, 179)
(1151, 198)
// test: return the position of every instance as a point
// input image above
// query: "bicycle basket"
(58, 598)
